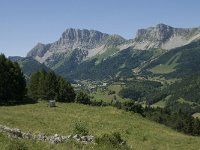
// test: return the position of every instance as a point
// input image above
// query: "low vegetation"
(137, 131)
(113, 128)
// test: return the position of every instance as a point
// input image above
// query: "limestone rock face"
(77, 45)
(71, 39)
(76, 38)
(164, 36)
(159, 33)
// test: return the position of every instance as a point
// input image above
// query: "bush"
(17, 145)
(113, 139)
(81, 128)
(82, 98)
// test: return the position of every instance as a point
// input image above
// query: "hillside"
(176, 63)
(139, 132)
(29, 65)
(116, 66)
(82, 51)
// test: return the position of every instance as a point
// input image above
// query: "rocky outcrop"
(164, 36)
(16, 133)
(76, 46)
(71, 39)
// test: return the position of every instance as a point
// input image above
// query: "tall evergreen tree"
(51, 85)
(65, 91)
(46, 85)
(42, 89)
(12, 81)
(33, 85)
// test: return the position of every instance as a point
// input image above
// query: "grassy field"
(196, 115)
(160, 104)
(168, 67)
(105, 96)
(140, 133)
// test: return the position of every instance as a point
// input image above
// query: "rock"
(14, 132)
(41, 137)
(71, 39)
(17, 133)
(27, 135)
(164, 36)
(77, 137)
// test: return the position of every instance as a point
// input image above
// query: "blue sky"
(24, 23)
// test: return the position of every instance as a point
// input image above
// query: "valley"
(144, 90)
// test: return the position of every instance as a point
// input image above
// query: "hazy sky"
(24, 23)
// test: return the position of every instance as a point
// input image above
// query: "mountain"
(90, 42)
(29, 65)
(165, 37)
(176, 63)
(87, 54)
(15, 58)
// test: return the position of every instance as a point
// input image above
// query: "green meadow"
(140, 133)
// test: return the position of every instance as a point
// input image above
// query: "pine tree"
(51, 85)
(65, 91)
(12, 81)
(33, 85)
(42, 89)
(46, 86)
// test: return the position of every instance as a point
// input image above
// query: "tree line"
(42, 85)
(179, 121)
(47, 86)
(12, 81)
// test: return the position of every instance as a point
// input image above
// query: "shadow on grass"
(25, 101)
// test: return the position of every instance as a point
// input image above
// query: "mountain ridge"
(91, 48)
(94, 42)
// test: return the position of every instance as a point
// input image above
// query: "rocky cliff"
(87, 44)
(164, 36)
(70, 40)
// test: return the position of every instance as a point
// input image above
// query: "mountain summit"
(78, 47)
(164, 36)
(71, 39)
(92, 42)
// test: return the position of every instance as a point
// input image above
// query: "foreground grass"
(139, 132)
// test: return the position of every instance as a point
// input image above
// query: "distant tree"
(46, 86)
(51, 86)
(65, 92)
(12, 81)
(82, 98)
(33, 85)
(42, 89)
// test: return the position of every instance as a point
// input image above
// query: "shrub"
(82, 98)
(17, 145)
(81, 128)
(113, 139)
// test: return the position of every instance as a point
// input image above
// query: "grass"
(109, 52)
(196, 115)
(140, 133)
(105, 96)
(160, 104)
(168, 67)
